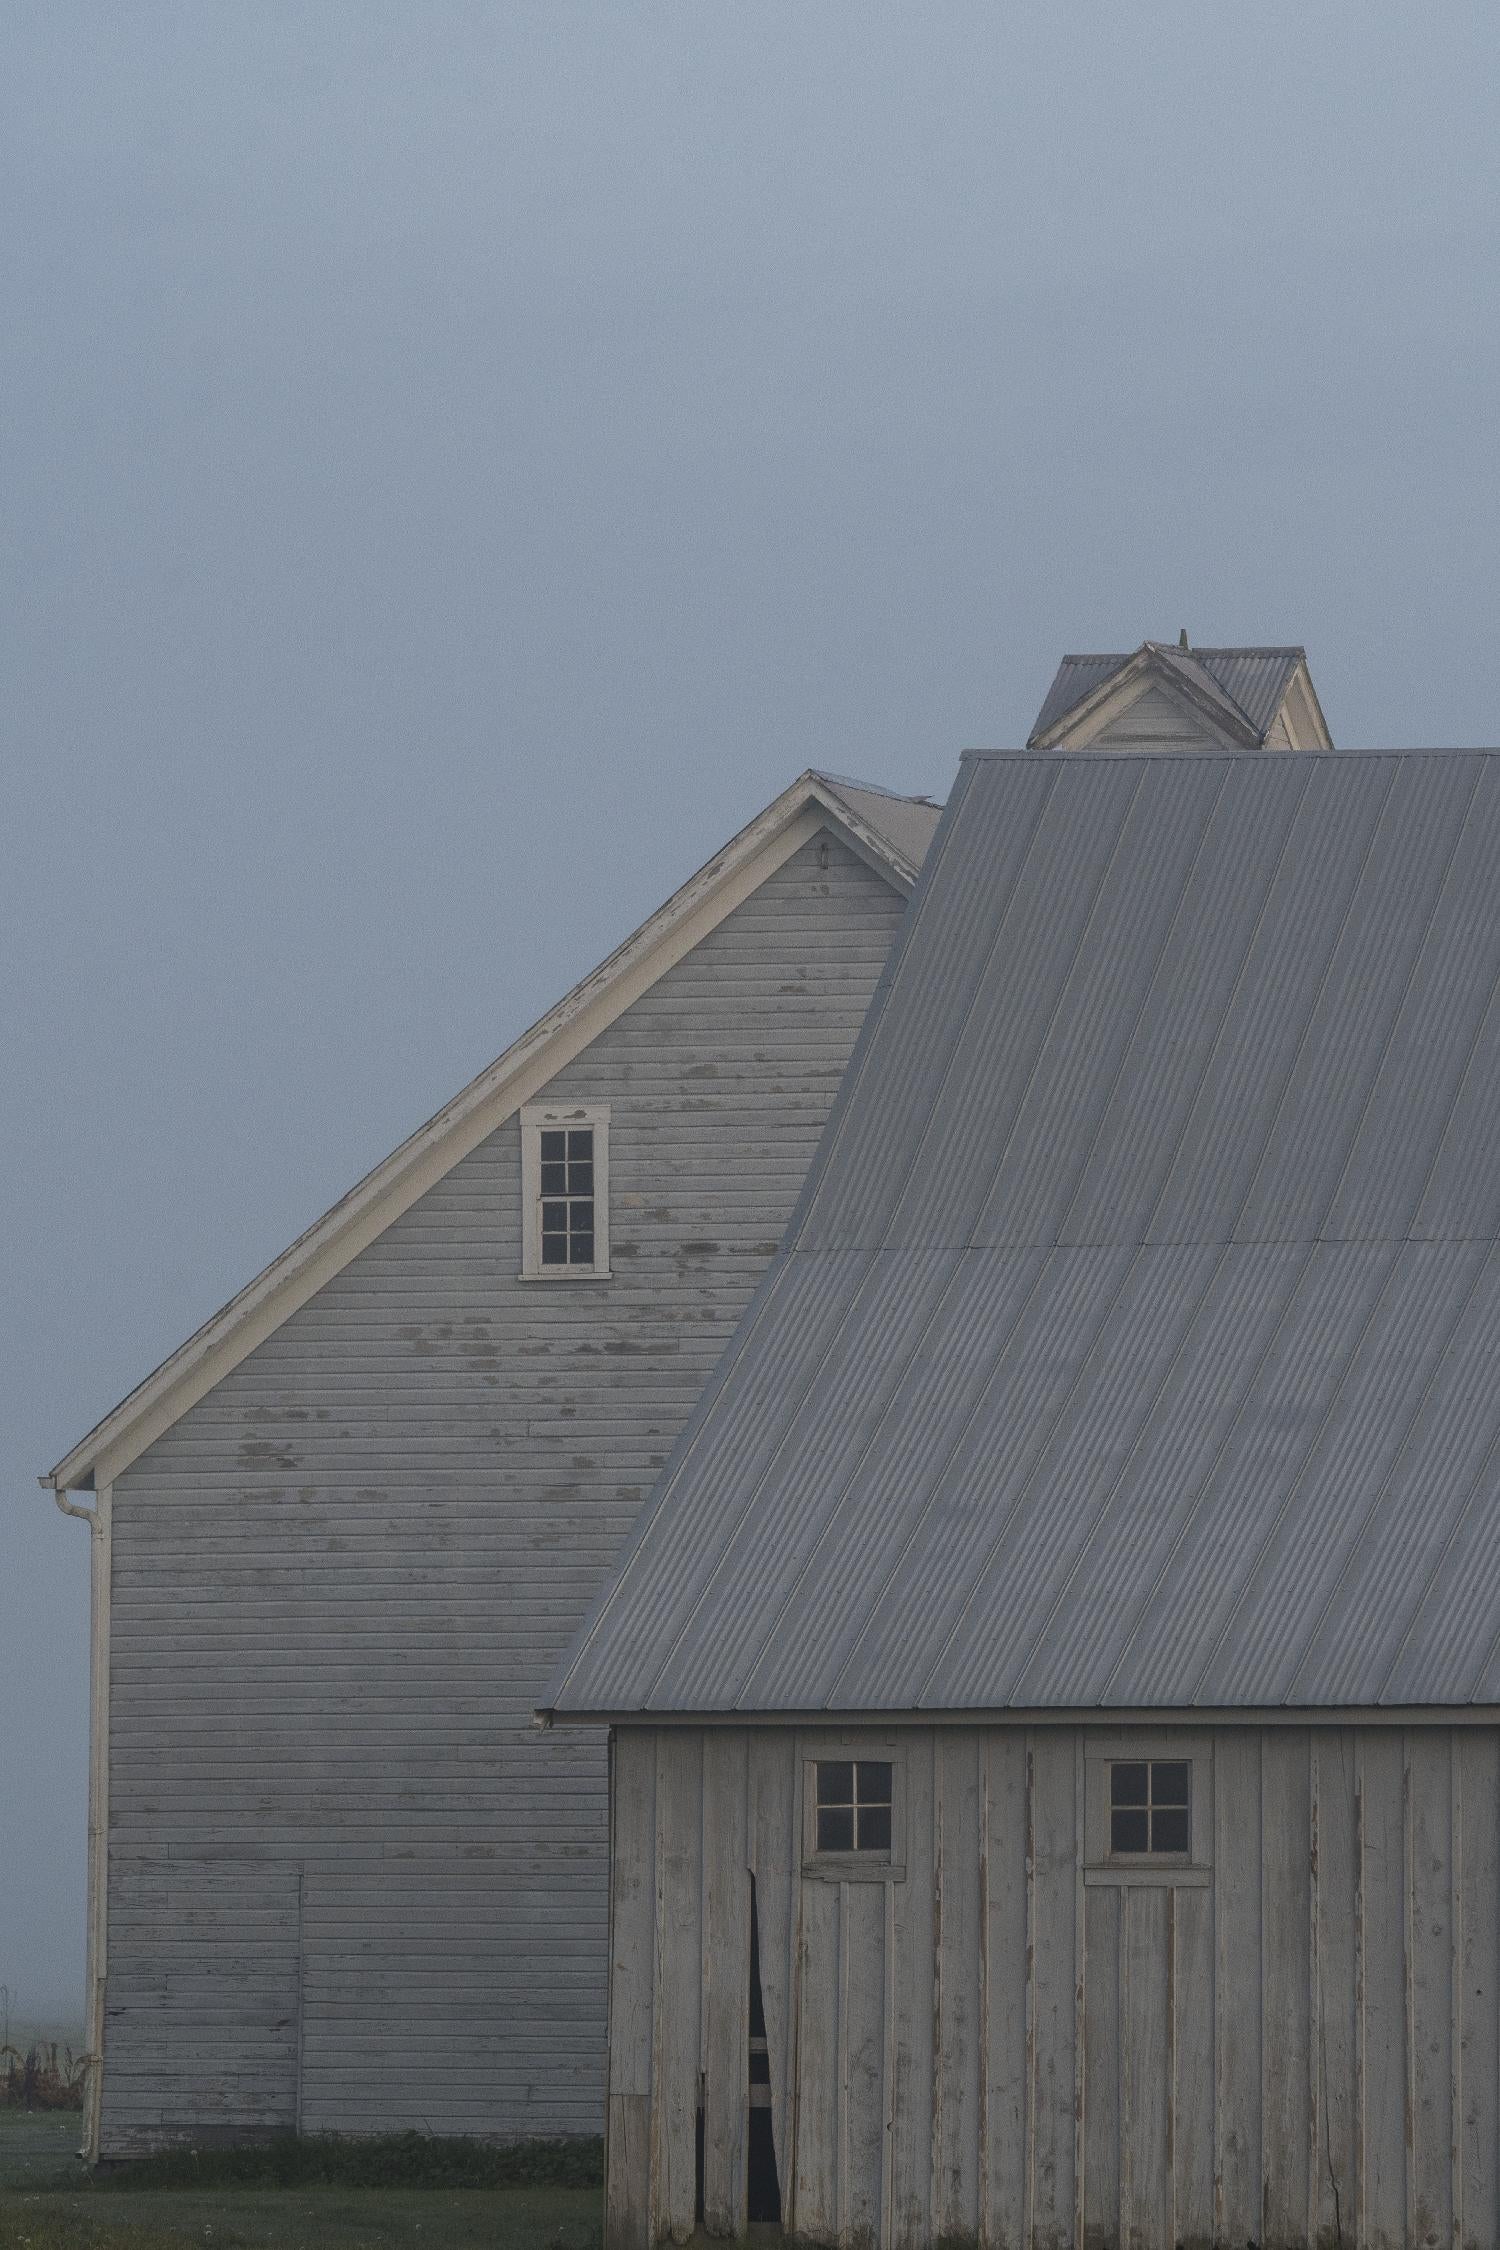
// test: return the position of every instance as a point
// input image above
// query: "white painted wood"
(693, 913)
(343, 1578)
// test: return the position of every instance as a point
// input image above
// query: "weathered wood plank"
(1102, 2221)
(1193, 2065)
(1002, 2213)
(1335, 1870)
(1286, 1952)
(775, 1815)
(819, 2104)
(1146, 2072)
(1238, 1982)
(726, 1978)
(862, 2062)
(913, 2008)
(632, 1974)
(1052, 1918)
(676, 2060)
(1476, 1907)
(1430, 2003)
(1381, 2216)
(959, 2067)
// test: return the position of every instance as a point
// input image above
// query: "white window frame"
(540, 1117)
(1145, 1747)
(853, 1867)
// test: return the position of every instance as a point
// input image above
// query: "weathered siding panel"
(1012, 2045)
(341, 1581)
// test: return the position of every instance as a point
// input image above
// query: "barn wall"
(350, 1886)
(1299, 2046)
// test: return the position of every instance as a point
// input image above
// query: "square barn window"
(853, 1824)
(1148, 1805)
(565, 1193)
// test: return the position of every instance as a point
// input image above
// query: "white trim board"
(813, 802)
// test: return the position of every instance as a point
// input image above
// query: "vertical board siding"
(1300, 2046)
(341, 1582)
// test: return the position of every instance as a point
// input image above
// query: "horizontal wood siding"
(1302, 2048)
(341, 1582)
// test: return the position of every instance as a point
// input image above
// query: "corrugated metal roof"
(1252, 681)
(1136, 1341)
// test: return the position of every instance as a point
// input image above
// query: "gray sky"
(459, 461)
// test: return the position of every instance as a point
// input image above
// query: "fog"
(460, 461)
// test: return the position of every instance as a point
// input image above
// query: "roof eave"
(380, 1197)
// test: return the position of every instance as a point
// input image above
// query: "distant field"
(45, 2206)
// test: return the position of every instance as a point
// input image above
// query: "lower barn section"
(445, 1993)
(1015, 2027)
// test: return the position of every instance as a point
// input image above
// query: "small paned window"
(567, 1165)
(854, 1805)
(1148, 1806)
(565, 1193)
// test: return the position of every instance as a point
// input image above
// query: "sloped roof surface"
(906, 823)
(1136, 1342)
(1254, 680)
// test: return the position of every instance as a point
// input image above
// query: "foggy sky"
(460, 461)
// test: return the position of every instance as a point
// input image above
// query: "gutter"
(98, 1519)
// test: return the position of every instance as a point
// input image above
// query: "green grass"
(322, 2203)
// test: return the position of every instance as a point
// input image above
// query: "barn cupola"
(1168, 696)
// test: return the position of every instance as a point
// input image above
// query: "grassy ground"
(45, 2204)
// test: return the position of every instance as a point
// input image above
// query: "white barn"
(1055, 1686)
(337, 1879)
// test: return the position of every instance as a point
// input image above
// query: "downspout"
(98, 1520)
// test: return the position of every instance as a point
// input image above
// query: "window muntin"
(1149, 1807)
(567, 1195)
(853, 1805)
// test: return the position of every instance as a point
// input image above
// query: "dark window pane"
(1169, 1783)
(554, 1147)
(874, 1782)
(554, 1249)
(554, 1218)
(1127, 1831)
(1127, 1786)
(835, 1783)
(581, 1143)
(581, 1213)
(835, 1829)
(580, 1250)
(1169, 1829)
(554, 1179)
(580, 1179)
(874, 1828)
